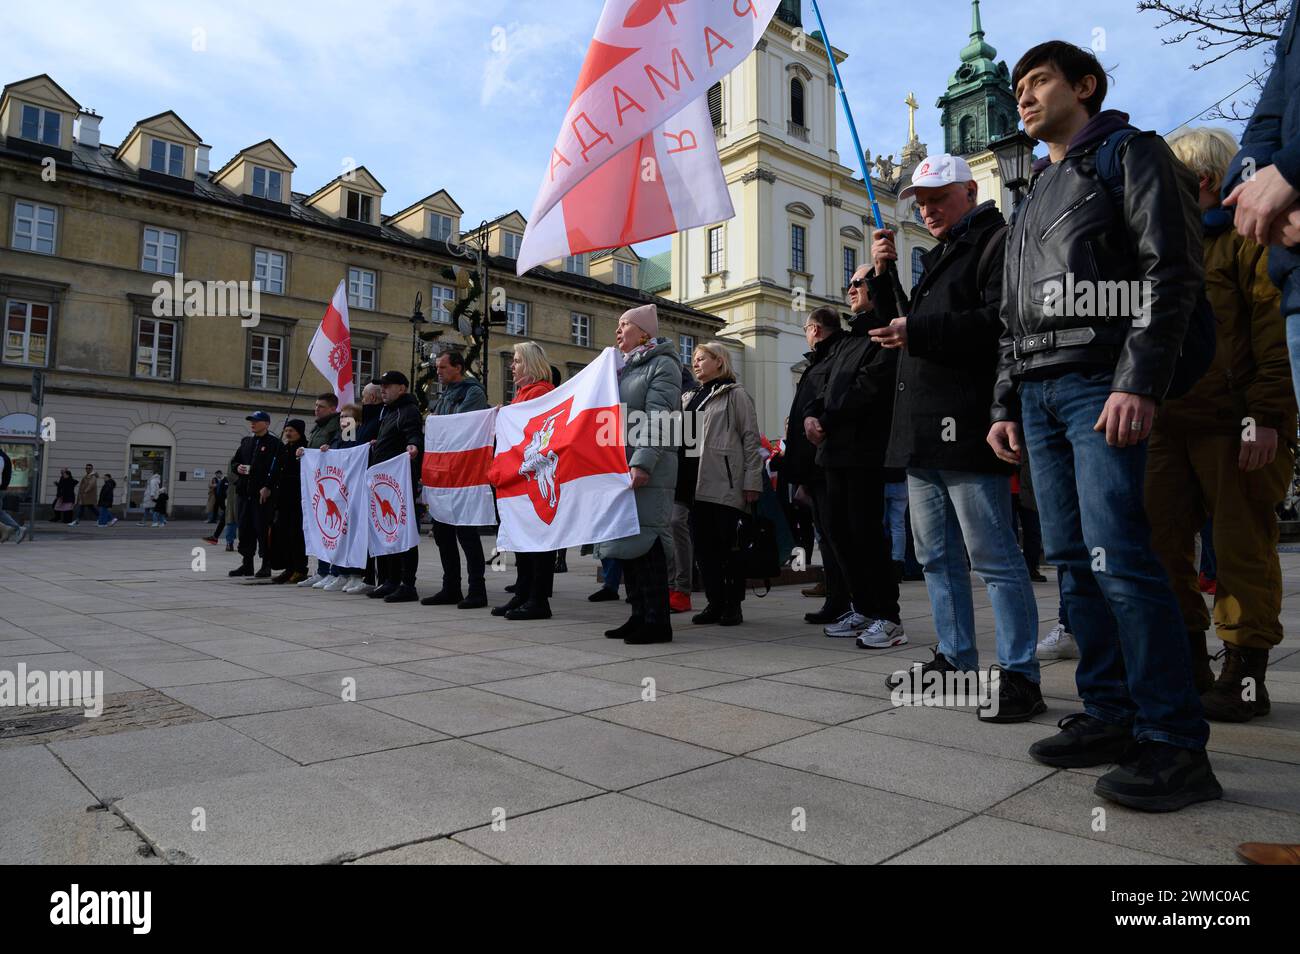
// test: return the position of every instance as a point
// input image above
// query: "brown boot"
(1232, 698)
(1202, 674)
(1268, 853)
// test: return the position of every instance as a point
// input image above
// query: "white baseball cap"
(938, 171)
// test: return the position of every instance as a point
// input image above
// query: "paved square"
(302, 726)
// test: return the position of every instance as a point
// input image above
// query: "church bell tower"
(978, 106)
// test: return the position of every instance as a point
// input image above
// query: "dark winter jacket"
(1068, 224)
(799, 464)
(856, 404)
(324, 432)
(106, 492)
(400, 426)
(288, 475)
(947, 370)
(465, 395)
(262, 455)
(368, 426)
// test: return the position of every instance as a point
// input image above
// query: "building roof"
(656, 272)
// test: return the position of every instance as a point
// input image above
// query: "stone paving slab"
(667, 677)
(440, 851)
(993, 841)
(465, 670)
(801, 702)
(714, 725)
(368, 682)
(464, 710)
(567, 690)
(330, 732)
(246, 697)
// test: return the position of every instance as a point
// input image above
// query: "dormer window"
(359, 207)
(167, 158)
(511, 242)
(573, 264)
(41, 125)
(266, 184)
(623, 274)
(440, 226)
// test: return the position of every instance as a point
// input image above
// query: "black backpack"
(1197, 353)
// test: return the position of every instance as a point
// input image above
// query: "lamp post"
(476, 250)
(1014, 154)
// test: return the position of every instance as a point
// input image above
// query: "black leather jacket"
(1067, 224)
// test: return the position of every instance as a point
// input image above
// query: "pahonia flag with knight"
(560, 470)
(636, 156)
(390, 507)
(458, 452)
(333, 505)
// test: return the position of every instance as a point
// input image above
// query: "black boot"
(282, 577)
(731, 616)
(382, 591)
(1159, 777)
(475, 599)
(827, 614)
(622, 632)
(516, 601)
(650, 633)
(444, 597)
(533, 609)
(403, 594)
(244, 569)
(711, 613)
(1239, 694)
(602, 595)
(263, 573)
(1202, 674)
(1083, 741)
(1019, 699)
(562, 562)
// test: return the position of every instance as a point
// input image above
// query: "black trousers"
(399, 568)
(713, 530)
(837, 588)
(855, 514)
(290, 549)
(536, 575)
(447, 537)
(254, 527)
(646, 579)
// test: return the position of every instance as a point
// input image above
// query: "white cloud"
(526, 62)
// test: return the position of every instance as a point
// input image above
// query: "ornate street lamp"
(1015, 155)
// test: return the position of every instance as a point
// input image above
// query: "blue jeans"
(1134, 665)
(1293, 347)
(896, 519)
(955, 513)
(105, 516)
(613, 573)
(9, 521)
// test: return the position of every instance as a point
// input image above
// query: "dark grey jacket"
(465, 395)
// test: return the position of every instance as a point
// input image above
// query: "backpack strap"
(1109, 160)
(986, 256)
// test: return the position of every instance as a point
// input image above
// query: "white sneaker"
(1058, 644)
(848, 625)
(21, 535)
(112, 522)
(359, 587)
(882, 634)
(321, 582)
(74, 523)
(311, 580)
(335, 583)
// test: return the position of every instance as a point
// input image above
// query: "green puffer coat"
(651, 382)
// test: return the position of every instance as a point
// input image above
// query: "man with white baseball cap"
(958, 490)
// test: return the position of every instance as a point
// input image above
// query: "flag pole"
(891, 269)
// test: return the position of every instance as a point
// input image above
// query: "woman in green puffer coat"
(650, 382)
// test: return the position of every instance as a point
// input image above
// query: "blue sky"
(468, 96)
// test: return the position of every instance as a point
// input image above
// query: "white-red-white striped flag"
(331, 346)
(458, 451)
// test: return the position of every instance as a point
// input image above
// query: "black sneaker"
(825, 615)
(444, 597)
(731, 616)
(631, 626)
(1159, 777)
(403, 594)
(244, 570)
(476, 599)
(1019, 699)
(381, 591)
(540, 609)
(603, 595)
(515, 602)
(1083, 741)
(263, 573)
(650, 633)
(708, 615)
(940, 664)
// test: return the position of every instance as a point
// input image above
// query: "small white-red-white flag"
(457, 454)
(331, 346)
(636, 156)
(390, 505)
(560, 470)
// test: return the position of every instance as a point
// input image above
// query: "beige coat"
(728, 440)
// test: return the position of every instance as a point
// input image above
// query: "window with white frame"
(167, 158)
(41, 125)
(798, 244)
(161, 252)
(34, 227)
(850, 264)
(266, 184)
(441, 303)
(363, 367)
(517, 318)
(155, 349)
(265, 362)
(918, 265)
(440, 227)
(359, 206)
(623, 274)
(575, 264)
(507, 378)
(580, 329)
(27, 333)
(268, 270)
(686, 348)
(511, 242)
(715, 250)
(361, 288)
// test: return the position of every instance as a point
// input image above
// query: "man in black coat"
(959, 492)
(822, 331)
(849, 424)
(401, 431)
(255, 464)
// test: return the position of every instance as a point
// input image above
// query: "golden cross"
(912, 107)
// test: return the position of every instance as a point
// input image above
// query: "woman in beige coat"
(723, 475)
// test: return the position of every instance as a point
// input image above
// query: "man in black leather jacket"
(1085, 385)
(255, 464)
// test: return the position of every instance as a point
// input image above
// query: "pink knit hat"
(645, 317)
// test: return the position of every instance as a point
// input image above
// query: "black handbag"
(759, 558)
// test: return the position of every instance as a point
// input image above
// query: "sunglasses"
(857, 282)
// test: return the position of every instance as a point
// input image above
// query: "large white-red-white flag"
(390, 507)
(331, 346)
(636, 156)
(333, 505)
(458, 450)
(560, 469)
